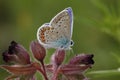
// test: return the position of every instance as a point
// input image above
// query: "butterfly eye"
(71, 43)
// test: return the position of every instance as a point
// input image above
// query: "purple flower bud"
(58, 57)
(82, 59)
(38, 50)
(7, 56)
(16, 53)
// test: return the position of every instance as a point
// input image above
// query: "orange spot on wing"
(42, 37)
(42, 33)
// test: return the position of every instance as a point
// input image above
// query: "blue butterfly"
(58, 33)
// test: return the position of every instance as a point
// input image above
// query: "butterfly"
(58, 32)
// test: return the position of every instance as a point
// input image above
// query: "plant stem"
(43, 74)
(44, 69)
(38, 67)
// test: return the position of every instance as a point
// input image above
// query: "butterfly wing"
(64, 20)
(58, 32)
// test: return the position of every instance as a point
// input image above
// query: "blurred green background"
(96, 29)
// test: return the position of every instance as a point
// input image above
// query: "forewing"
(63, 21)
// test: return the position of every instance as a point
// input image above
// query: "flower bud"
(38, 50)
(58, 57)
(82, 59)
(16, 53)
